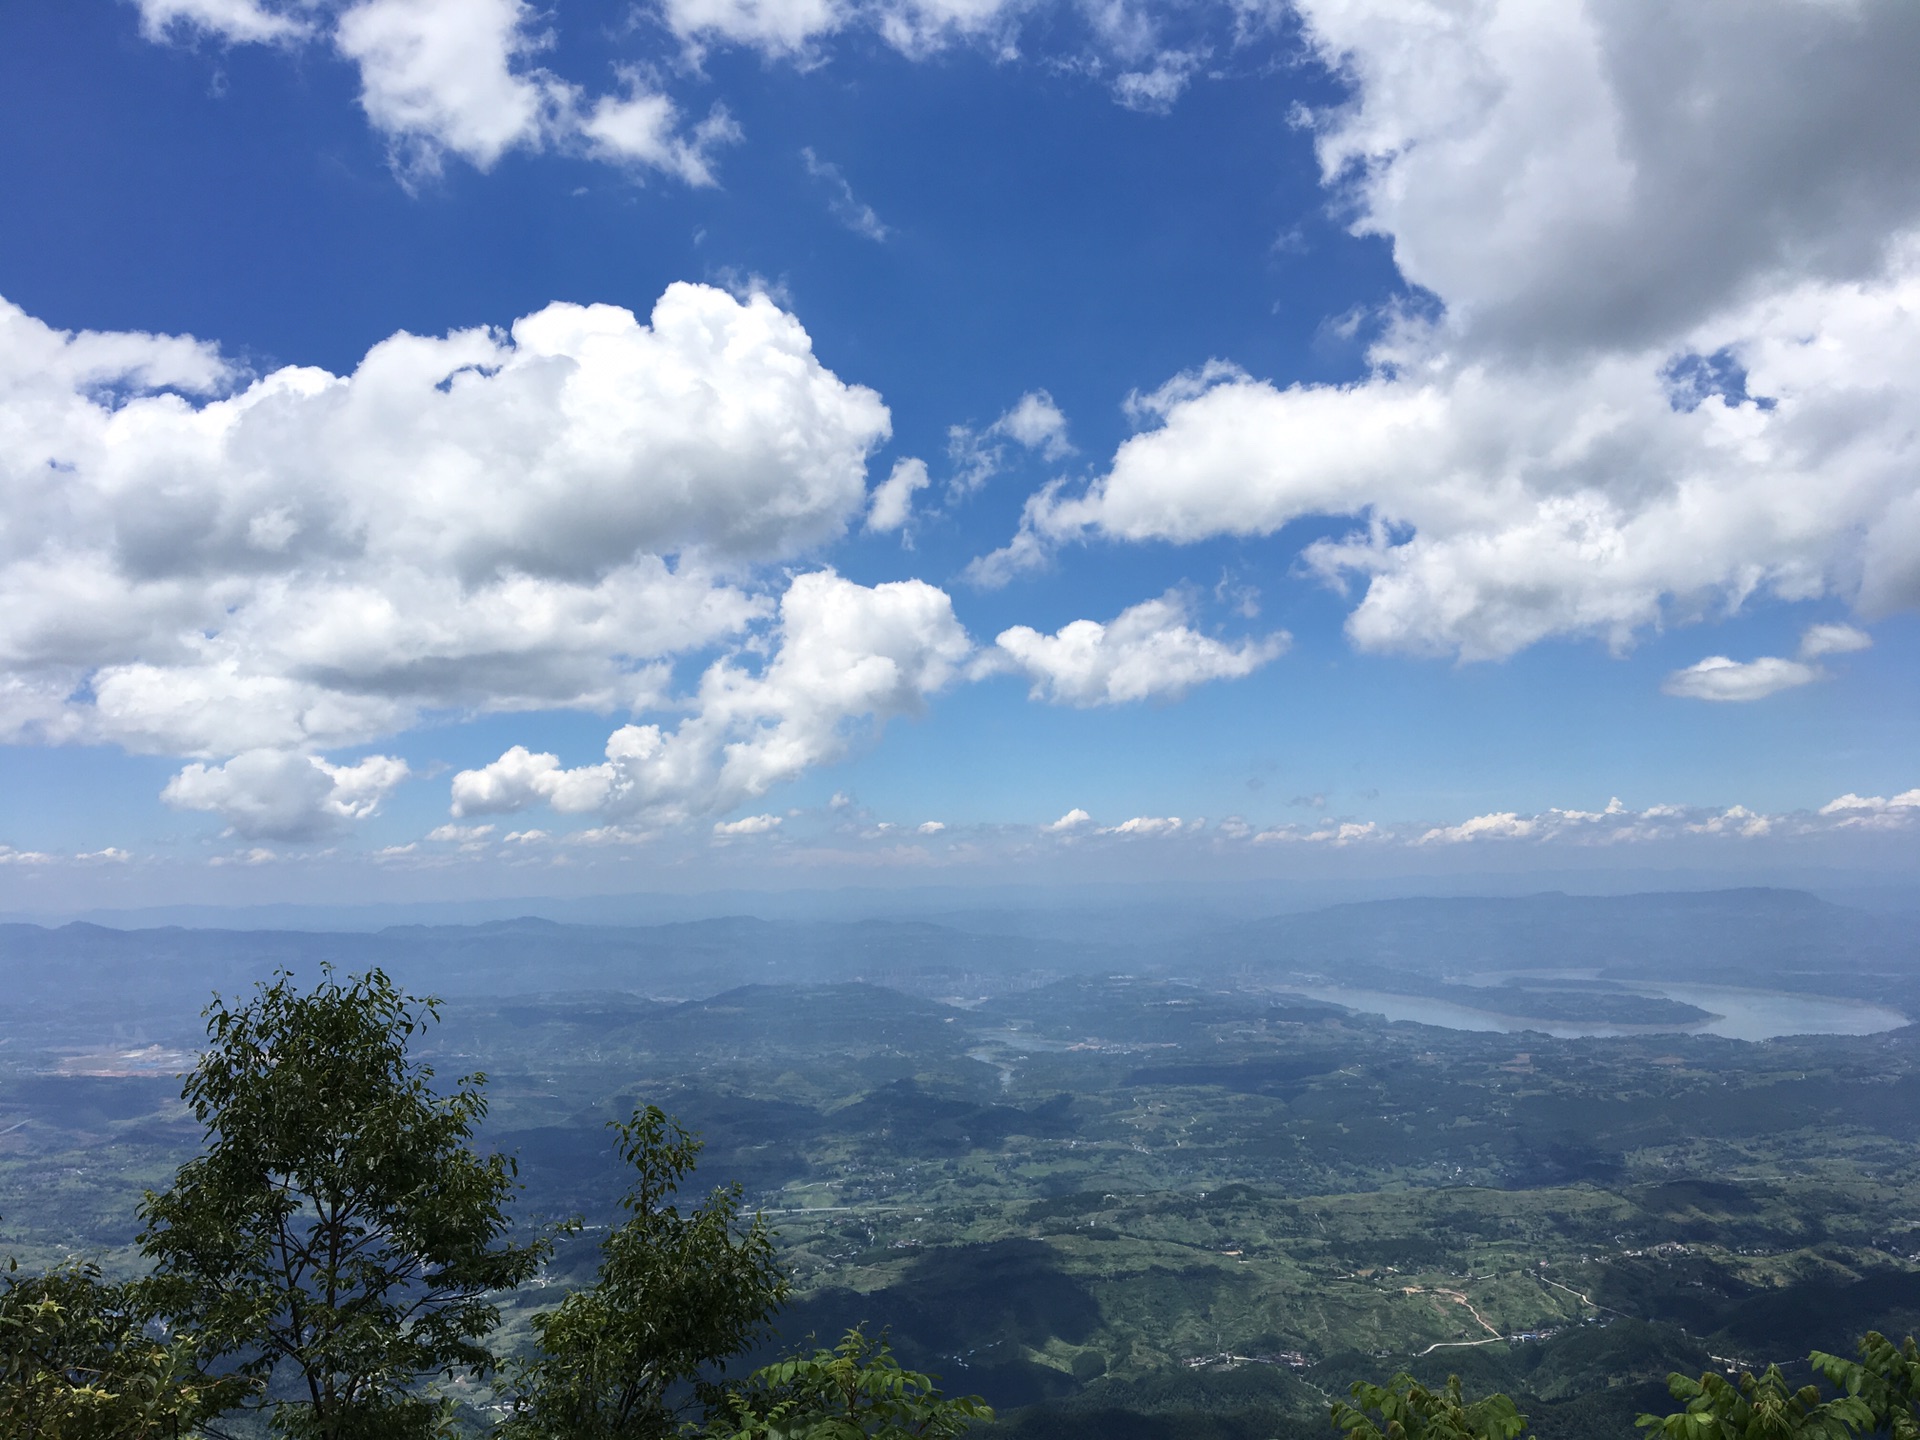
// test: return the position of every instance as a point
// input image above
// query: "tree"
(855, 1391)
(338, 1239)
(79, 1362)
(1407, 1410)
(675, 1297)
(1886, 1378)
(1757, 1407)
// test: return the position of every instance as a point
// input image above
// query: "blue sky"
(1094, 439)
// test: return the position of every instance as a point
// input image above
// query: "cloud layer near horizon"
(278, 804)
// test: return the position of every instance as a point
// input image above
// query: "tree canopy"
(855, 1391)
(78, 1361)
(338, 1240)
(677, 1295)
(339, 1243)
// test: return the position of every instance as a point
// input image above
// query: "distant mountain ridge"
(1706, 934)
(1783, 938)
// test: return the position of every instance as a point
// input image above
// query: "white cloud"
(794, 28)
(930, 827)
(461, 834)
(1833, 640)
(1680, 274)
(457, 76)
(1737, 820)
(851, 212)
(256, 855)
(1037, 423)
(1614, 173)
(239, 22)
(643, 129)
(848, 657)
(1154, 89)
(892, 505)
(1619, 825)
(777, 27)
(748, 825)
(520, 778)
(1072, 820)
(1033, 422)
(1338, 834)
(1719, 678)
(1503, 826)
(1150, 825)
(1874, 810)
(1148, 652)
(442, 74)
(484, 521)
(279, 795)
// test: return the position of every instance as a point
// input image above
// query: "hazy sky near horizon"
(451, 440)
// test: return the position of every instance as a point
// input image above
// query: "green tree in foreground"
(1757, 1407)
(677, 1295)
(339, 1240)
(1404, 1409)
(1879, 1395)
(1886, 1378)
(854, 1391)
(78, 1362)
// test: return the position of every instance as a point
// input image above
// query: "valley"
(1201, 1201)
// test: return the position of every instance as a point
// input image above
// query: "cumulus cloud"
(1149, 651)
(847, 658)
(1613, 174)
(520, 778)
(1072, 820)
(643, 129)
(459, 77)
(280, 795)
(748, 825)
(1152, 825)
(892, 504)
(540, 517)
(1504, 826)
(1037, 423)
(1874, 812)
(1833, 640)
(449, 74)
(1678, 280)
(1719, 678)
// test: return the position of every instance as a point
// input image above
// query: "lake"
(1737, 1014)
